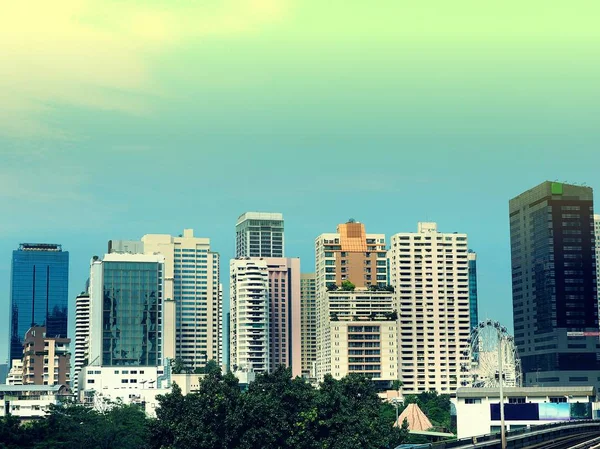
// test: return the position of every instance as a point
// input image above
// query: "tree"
(331, 287)
(12, 434)
(178, 366)
(278, 411)
(348, 286)
(204, 419)
(74, 426)
(349, 415)
(211, 367)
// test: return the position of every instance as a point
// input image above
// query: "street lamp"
(499, 330)
(396, 403)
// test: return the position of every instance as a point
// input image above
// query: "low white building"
(15, 375)
(478, 409)
(129, 384)
(31, 401)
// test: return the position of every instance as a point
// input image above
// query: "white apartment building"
(129, 384)
(361, 336)
(194, 333)
(82, 334)
(356, 323)
(430, 274)
(259, 234)
(29, 402)
(249, 315)
(15, 375)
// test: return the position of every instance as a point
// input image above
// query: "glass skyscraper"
(131, 313)
(473, 312)
(39, 292)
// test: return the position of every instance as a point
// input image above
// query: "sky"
(122, 118)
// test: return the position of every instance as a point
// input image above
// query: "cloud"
(100, 55)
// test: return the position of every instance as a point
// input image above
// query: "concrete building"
(39, 292)
(29, 402)
(429, 271)
(597, 239)
(82, 335)
(478, 409)
(284, 314)
(356, 318)
(308, 324)
(249, 309)
(125, 246)
(259, 234)
(126, 306)
(15, 375)
(130, 384)
(46, 360)
(193, 297)
(192, 282)
(554, 284)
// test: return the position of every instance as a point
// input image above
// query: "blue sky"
(119, 120)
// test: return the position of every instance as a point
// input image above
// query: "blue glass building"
(39, 292)
(131, 313)
(473, 313)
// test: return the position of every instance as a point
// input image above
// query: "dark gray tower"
(554, 284)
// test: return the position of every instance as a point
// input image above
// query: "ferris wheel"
(481, 365)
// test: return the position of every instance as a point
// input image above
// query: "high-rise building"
(356, 318)
(39, 292)
(249, 309)
(226, 342)
(3, 372)
(597, 237)
(554, 284)
(82, 335)
(308, 324)
(46, 360)
(429, 271)
(259, 234)
(284, 313)
(126, 299)
(193, 297)
(126, 246)
(15, 375)
(473, 303)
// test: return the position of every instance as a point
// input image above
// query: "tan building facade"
(429, 271)
(308, 318)
(356, 319)
(284, 313)
(46, 361)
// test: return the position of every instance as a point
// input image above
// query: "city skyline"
(489, 282)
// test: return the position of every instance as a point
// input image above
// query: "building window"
(473, 401)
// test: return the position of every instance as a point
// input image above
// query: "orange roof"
(353, 237)
(415, 417)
